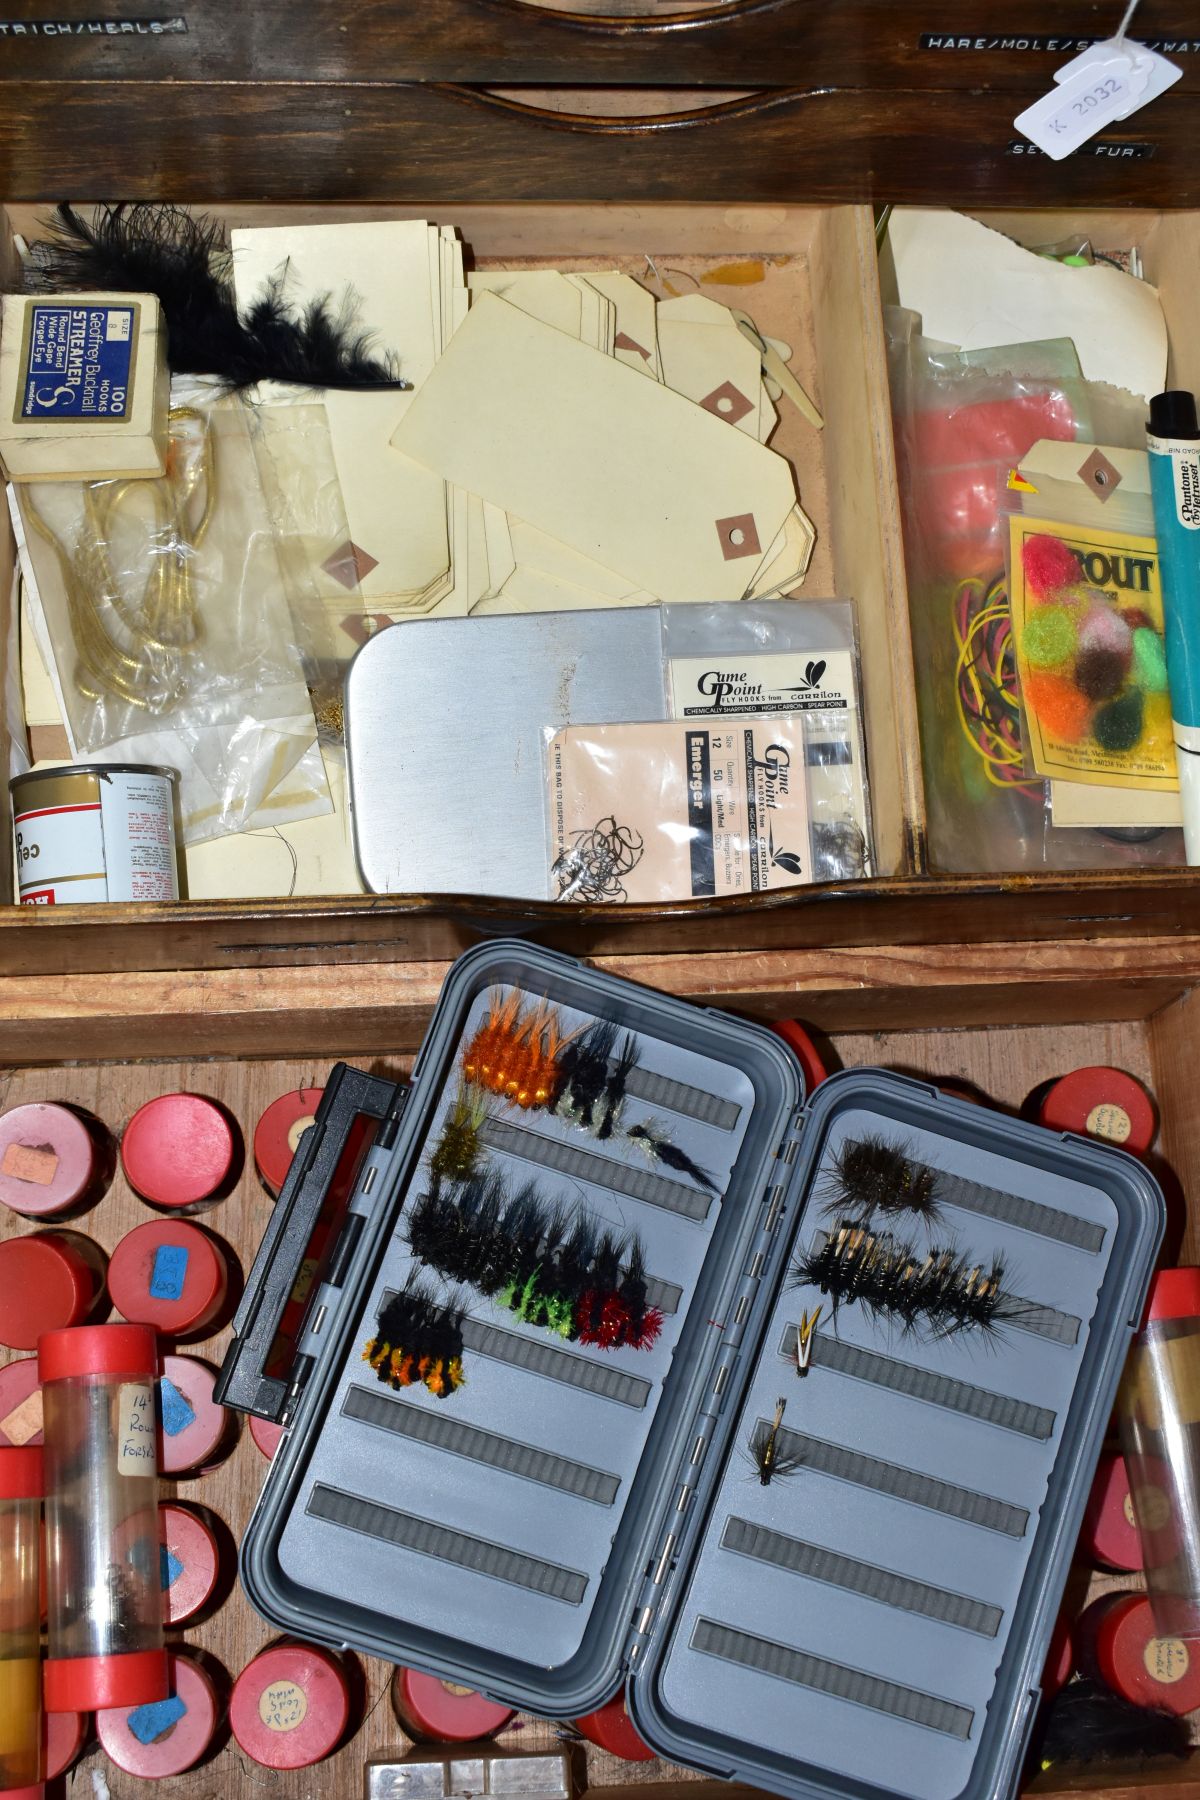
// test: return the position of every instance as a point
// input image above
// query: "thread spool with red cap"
(611, 1728)
(1060, 1658)
(64, 1735)
(48, 1280)
(803, 1049)
(1117, 1642)
(1109, 1535)
(189, 1561)
(101, 1518)
(278, 1132)
(290, 1706)
(50, 1162)
(444, 1712)
(195, 1431)
(266, 1435)
(22, 1484)
(165, 1737)
(178, 1151)
(20, 1403)
(1101, 1103)
(170, 1274)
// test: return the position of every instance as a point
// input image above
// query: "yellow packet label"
(1087, 618)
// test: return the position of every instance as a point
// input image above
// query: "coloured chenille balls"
(1149, 661)
(1063, 710)
(1050, 568)
(1118, 726)
(1050, 637)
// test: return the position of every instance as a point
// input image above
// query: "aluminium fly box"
(824, 1549)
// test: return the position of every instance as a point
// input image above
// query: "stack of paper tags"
(567, 442)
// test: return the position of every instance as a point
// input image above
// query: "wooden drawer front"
(449, 144)
(949, 44)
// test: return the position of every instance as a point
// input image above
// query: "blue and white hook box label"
(78, 361)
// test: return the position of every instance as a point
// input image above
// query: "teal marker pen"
(1173, 440)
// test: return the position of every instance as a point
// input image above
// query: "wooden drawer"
(814, 274)
(290, 139)
(702, 43)
(896, 1013)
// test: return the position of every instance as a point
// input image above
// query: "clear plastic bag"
(164, 611)
(780, 657)
(962, 422)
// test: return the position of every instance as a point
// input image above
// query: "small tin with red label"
(278, 1132)
(1118, 1643)
(164, 1737)
(1109, 1537)
(1102, 1103)
(92, 832)
(178, 1150)
(189, 1559)
(48, 1281)
(195, 1431)
(290, 1706)
(611, 1728)
(444, 1712)
(50, 1161)
(170, 1274)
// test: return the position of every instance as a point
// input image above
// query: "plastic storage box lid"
(876, 1619)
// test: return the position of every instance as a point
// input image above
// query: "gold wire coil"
(136, 650)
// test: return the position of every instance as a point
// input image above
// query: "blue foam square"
(169, 1568)
(150, 1722)
(169, 1272)
(177, 1412)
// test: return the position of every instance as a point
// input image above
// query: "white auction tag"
(1098, 94)
(1158, 72)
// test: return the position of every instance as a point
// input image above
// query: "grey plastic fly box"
(848, 1594)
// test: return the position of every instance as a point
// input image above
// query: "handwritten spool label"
(36, 1163)
(137, 1450)
(24, 1421)
(455, 1687)
(1109, 1121)
(297, 1130)
(1166, 1659)
(1153, 1506)
(282, 1706)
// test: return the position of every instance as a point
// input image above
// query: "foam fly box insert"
(604, 1355)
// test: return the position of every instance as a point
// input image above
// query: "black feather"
(871, 1175)
(183, 259)
(615, 1085)
(1087, 1723)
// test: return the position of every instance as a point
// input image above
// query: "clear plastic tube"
(104, 1597)
(20, 1619)
(1159, 1412)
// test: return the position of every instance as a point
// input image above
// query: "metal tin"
(92, 832)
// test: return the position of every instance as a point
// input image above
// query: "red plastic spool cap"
(193, 1425)
(266, 1435)
(803, 1049)
(1102, 1103)
(290, 1706)
(443, 1712)
(20, 1402)
(25, 1793)
(177, 1150)
(277, 1134)
(1060, 1658)
(612, 1729)
(169, 1274)
(1135, 1661)
(167, 1736)
(1175, 1294)
(47, 1282)
(21, 1473)
(92, 1683)
(47, 1159)
(189, 1561)
(65, 1735)
(1110, 1534)
(97, 1350)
